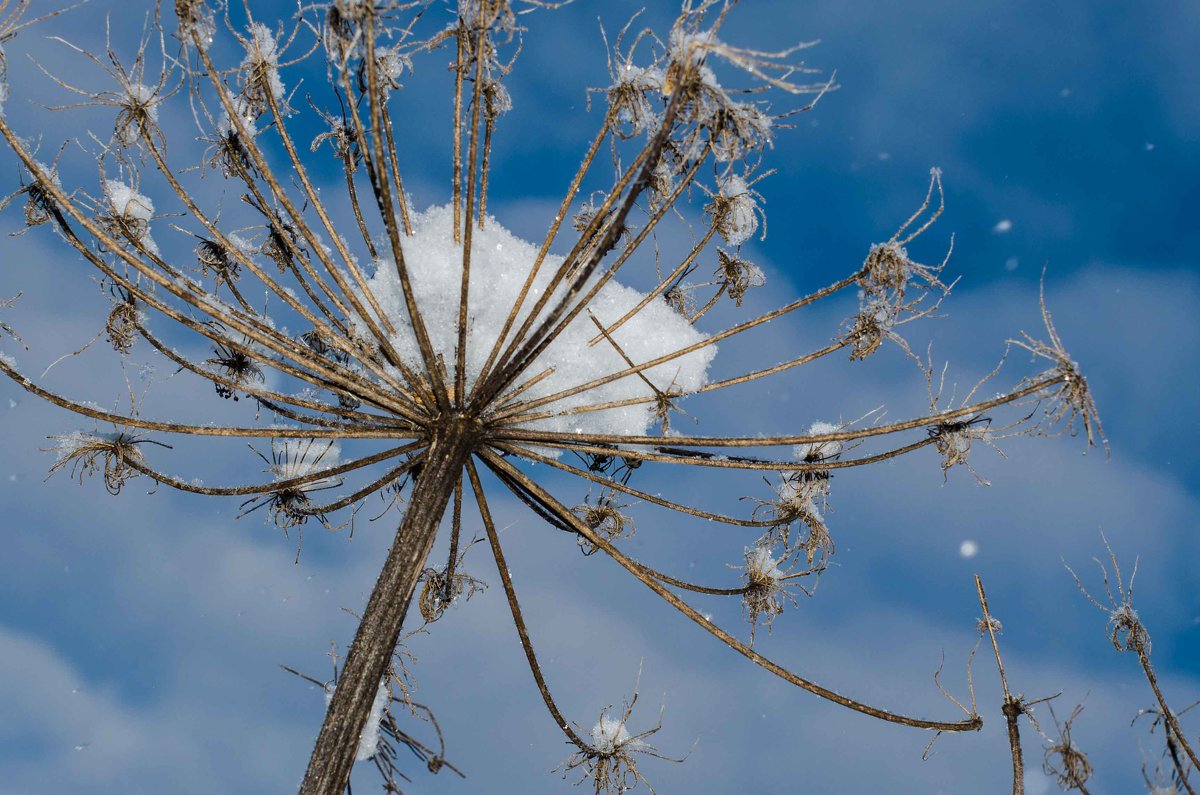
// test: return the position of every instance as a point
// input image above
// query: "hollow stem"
(379, 631)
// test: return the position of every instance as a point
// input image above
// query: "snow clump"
(500, 265)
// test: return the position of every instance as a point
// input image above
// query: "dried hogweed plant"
(392, 350)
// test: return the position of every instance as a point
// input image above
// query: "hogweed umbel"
(398, 349)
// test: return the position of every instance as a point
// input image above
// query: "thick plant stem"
(379, 631)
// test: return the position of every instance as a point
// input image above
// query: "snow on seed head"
(500, 264)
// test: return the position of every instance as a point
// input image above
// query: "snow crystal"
(144, 96)
(816, 451)
(368, 740)
(500, 264)
(244, 246)
(692, 46)
(49, 171)
(968, 549)
(1002, 226)
(8, 360)
(739, 220)
(127, 202)
(761, 563)
(262, 52)
(609, 735)
(300, 457)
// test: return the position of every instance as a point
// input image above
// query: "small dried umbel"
(442, 589)
(605, 518)
(608, 757)
(766, 587)
(39, 206)
(894, 288)
(1063, 760)
(1069, 402)
(235, 367)
(298, 468)
(734, 210)
(112, 454)
(737, 275)
(121, 327)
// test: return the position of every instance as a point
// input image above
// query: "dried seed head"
(196, 23)
(496, 99)
(291, 504)
(734, 211)
(990, 624)
(765, 587)
(138, 114)
(604, 518)
(441, 591)
(259, 72)
(738, 275)
(608, 757)
(634, 96)
(821, 450)
(1066, 763)
(128, 214)
(1128, 631)
(89, 453)
(236, 366)
(227, 151)
(390, 64)
(121, 326)
(342, 138)
(39, 206)
(216, 260)
(1069, 402)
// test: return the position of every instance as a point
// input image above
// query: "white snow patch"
(500, 265)
(368, 739)
(819, 450)
(609, 735)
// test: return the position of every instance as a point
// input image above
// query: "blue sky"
(140, 636)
